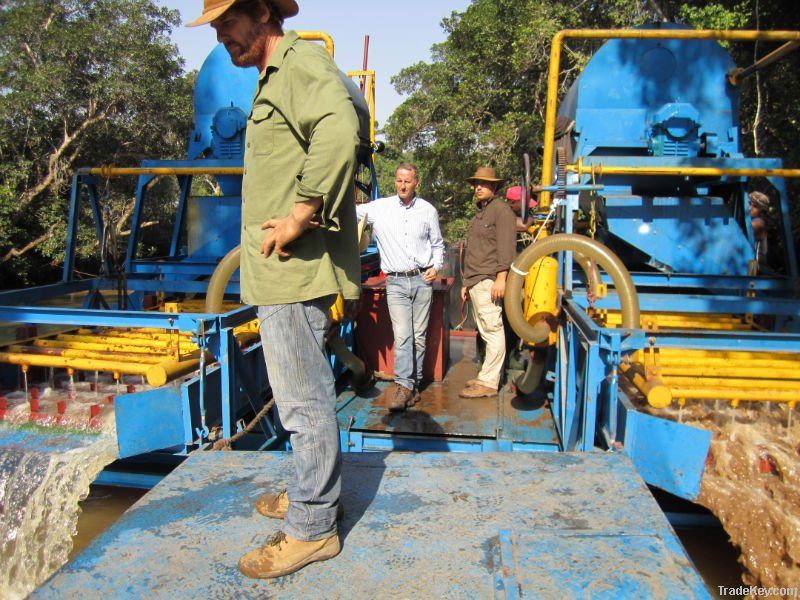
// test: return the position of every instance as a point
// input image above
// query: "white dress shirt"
(408, 236)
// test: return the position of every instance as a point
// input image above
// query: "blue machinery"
(653, 126)
(650, 103)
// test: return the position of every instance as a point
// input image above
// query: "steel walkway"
(451, 525)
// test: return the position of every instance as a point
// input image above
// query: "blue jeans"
(409, 300)
(303, 387)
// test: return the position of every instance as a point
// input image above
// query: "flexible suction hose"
(362, 376)
(584, 247)
(220, 278)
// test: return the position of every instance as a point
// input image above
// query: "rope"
(225, 443)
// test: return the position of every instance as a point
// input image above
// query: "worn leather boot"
(477, 391)
(275, 505)
(284, 555)
(402, 397)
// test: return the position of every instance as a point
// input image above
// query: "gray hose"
(588, 249)
(530, 380)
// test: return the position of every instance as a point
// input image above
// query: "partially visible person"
(411, 247)
(759, 208)
(514, 200)
(299, 250)
(490, 251)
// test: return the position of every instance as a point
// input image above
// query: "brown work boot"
(276, 506)
(284, 555)
(471, 382)
(402, 397)
(477, 391)
(273, 505)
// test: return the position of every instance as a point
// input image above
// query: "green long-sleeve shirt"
(302, 138)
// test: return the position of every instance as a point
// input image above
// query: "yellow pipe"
(726, 354)
(94, 354)
(111, 340)
(770, 372)
(753, 363)
(726, 383)
(599, 170)
(680, 34)
(658, 395)
(318, 36)
(743, 395)
(79, 364)
(736, 76)
(101, 347)
(110, 171)
(135, 334)
(368, 78)
(158, 375)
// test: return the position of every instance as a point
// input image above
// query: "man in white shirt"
(410, 243)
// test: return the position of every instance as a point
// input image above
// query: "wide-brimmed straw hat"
(760, 200)
(484, 174)
(213, 9)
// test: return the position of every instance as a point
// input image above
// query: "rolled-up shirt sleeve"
(506, 231)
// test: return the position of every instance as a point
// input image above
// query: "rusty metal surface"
(441, 412)
(416, 525)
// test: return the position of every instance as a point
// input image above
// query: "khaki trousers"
(488, 318)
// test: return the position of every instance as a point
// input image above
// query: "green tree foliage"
(481, 100)
(82, 83)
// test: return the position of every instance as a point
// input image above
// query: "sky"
(401, 34)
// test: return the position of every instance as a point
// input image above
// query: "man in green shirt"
(299, 250)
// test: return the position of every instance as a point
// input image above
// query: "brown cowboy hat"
(484, 174)
(213, 9)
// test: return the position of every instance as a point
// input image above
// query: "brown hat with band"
(484, 174)
(213, 9)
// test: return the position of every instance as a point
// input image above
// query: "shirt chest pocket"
(261, 133)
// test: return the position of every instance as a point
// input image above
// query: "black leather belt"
(410, 273)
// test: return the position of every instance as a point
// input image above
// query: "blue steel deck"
(452, 525)
(443, 421)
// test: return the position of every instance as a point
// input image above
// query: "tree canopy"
(82, 83)
(481, 100)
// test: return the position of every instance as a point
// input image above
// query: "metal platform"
(449, 525)
(442, 421)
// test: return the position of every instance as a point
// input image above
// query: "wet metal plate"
(416, 525)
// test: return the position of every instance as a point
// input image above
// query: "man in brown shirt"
(490, 252)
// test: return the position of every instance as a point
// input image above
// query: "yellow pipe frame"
(368, 79)
(658, 395)
(79, 364)
(318, 36)
(602, 34)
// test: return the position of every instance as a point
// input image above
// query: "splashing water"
(44, 474)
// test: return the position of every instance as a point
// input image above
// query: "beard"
(250, 51)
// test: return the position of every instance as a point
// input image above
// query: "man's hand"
(429, 275)
(499, 286)
(465, 293)
(282, 232)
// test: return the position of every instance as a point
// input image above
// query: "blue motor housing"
(647, 102)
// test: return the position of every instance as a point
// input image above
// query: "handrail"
(318, 36)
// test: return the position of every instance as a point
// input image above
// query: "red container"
(375, 340)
